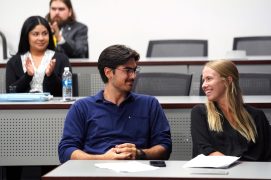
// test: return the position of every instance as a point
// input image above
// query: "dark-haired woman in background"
(36, 67)
(225, 125)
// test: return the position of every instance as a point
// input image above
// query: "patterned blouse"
(36, 84)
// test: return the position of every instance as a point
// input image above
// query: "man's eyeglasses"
(129, 70)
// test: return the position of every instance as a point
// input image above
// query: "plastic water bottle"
(67, 84)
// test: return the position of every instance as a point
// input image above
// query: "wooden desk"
(30, 131)
(76, 169)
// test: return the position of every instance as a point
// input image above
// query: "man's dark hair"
(29, 24)
(68, 3)
(114, 56)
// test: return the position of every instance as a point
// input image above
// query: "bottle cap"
(66, 68)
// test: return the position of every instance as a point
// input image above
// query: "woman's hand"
(50, 68)
(216, 153)
(29, 67)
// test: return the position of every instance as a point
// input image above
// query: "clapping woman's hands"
(50, 68)
(29, 67)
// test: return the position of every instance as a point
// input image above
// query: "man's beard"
(60, 22)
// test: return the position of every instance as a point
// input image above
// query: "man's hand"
(126, 148)
(56, 31)
(113, 154)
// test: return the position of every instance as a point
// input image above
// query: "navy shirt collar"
(99, 97)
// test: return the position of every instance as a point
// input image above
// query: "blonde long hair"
(244, 123)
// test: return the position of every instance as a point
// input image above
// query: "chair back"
(255, 84)
(254, 46)
(201, 92)
(163, 84)
(177, 48)
(75, 86)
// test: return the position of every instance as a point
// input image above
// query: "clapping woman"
(36, 67)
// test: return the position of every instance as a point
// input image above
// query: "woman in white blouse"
(36, 67)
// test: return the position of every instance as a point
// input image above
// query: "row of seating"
(179, 84)
(254, 46)
(174, 84)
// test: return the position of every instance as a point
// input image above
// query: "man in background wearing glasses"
(116, 124)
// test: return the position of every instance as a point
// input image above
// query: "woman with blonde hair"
(225, 125)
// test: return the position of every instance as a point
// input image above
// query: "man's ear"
(108, 72)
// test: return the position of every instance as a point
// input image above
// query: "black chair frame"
(152, 43)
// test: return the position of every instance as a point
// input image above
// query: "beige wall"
(135, 22)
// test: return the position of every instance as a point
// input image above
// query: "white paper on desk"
(131, 166)
(211, 161)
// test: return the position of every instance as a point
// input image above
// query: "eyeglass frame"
(130, 71)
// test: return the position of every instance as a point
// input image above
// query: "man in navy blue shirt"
(116, 124)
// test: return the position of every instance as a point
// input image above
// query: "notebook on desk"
(25, 97)
(202, 161)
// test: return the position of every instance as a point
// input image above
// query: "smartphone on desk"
(69, 100)
(158, 163)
